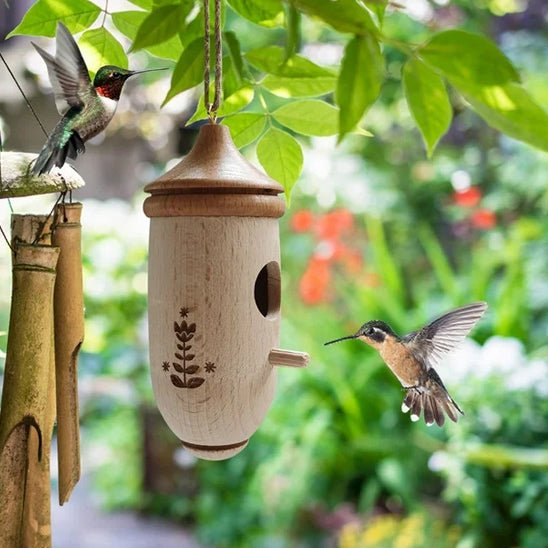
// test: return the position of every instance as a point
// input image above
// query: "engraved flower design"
(185, 372)
(210, 367)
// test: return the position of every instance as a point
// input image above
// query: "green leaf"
(428, 102)
(245, 127)
(160, 25)
(128, 22)
(189, 70)
(359, 81)
(231, 79)
(229, 105)
(41, 19)
(310, 117)
(342, 15)
(267, 13)
(464, 57)
(293, 31)
(100, 48)
(362, 131)
(271, 59)
(282, 157)
(378, 7)
(193, 29)
(299, 87)
(235, 53)
(512, 110)
(145, 4)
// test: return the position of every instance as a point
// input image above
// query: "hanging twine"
(213, 107)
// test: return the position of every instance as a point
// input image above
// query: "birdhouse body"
(205, 273)
(214, 295)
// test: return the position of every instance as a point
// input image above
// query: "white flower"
(462, 363)
(532, 375)
(500, 357)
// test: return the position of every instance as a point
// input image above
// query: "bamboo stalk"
(27, 413)
(27, 228)
(69, 335)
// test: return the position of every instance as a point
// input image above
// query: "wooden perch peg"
(69, 335)
(288, 358)
(28, 410)
(16, 178)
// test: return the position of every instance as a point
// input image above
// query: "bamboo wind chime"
(45, 332)
(215, 287)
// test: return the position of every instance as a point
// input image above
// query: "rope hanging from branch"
(213, 107)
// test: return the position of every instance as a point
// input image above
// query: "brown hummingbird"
(412, 359)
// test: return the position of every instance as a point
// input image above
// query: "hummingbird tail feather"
(434, 402)
(451, 408)
(53, 154)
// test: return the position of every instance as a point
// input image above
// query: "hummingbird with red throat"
(86, 108)
(412, 359)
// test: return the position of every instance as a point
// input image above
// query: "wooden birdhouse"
(214, 295)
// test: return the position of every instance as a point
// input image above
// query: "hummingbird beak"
(341, 339)
(133, 72)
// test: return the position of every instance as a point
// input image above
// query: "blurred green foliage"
(375, 231)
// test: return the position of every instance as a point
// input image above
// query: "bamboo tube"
(12, 477)
(27, 414)
(28, 228)
(69, 335)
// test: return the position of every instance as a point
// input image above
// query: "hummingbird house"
(214, 295)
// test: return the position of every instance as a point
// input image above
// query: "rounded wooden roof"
(214, 165)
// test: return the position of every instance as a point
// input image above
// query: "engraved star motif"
(184, 312)
(165, 366)
(210, 367)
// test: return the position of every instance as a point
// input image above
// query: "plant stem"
(184, 362)
(105, 13)
(404, 47)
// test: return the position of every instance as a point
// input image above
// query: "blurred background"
(374, 231)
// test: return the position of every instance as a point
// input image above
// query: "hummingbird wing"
(67, 72)
(444, 334)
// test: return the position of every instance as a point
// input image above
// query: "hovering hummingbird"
(86, 107)
(412, 359)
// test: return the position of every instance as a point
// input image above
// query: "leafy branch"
(316, 100)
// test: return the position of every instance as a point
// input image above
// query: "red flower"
(302, 221)
(352, 261)
(332, 225)
(467, 198)
(340, 251)
(315, 281)
(484, 218)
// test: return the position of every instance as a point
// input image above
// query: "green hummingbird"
(86, 108)
(412, 359)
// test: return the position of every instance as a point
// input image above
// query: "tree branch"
(16, 178)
